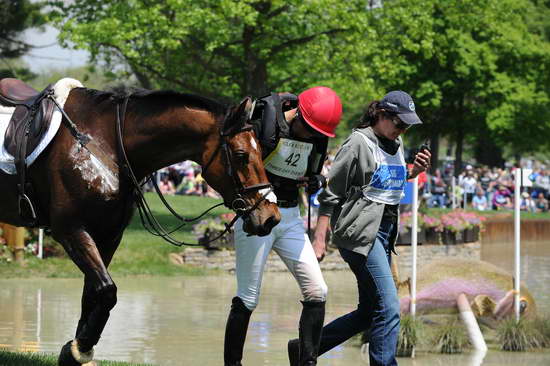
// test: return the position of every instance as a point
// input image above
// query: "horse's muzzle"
(256, 225)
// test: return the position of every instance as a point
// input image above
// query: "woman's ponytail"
(370, 117)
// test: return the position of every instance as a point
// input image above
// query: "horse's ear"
(241, 113)
(245, 109)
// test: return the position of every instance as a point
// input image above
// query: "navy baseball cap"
(400, 103)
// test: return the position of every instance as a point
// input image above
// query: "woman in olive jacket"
(361, 203)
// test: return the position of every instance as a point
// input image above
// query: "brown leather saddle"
(29, 123)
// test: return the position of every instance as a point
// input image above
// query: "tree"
(225, 48)
(15, 17)
(476, 68)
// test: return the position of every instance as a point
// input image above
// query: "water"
(181, 321)
(534, 267)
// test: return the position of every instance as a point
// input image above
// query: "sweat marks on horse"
(93, 171)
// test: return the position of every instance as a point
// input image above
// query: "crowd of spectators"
(478, 187)
(484, 188)
(184, 178)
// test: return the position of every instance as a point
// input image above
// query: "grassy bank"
(37, 359)
(140, 253)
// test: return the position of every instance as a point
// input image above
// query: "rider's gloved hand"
(315, 182)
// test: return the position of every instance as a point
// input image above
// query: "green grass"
(409, 335)
(450, 337)
(140, 253)
(492, 213)
(542, 325)
(520, 336)
(8, 358)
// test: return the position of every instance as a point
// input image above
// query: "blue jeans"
(438, 200)
(378, 309)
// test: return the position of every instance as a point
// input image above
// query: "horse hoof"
(70, 356)
(66, 357)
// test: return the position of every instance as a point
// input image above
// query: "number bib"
(289, 159)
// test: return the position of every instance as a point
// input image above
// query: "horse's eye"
(241, 157)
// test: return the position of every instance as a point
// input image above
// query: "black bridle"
(238, 204)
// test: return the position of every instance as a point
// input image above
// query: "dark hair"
(372, 115)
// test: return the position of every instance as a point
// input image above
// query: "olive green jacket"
(354, 219)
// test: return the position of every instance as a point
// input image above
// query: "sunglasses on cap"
(400, 125)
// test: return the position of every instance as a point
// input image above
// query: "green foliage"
(15, 17)
(478, 69)
(15, 68)
(90, 76)
(50, 247)
(6, 256)
(542, 325)
(519, 336)
(226, 49)
(450, 338)
(471, 65)
(539, 22)
(207, 232)
(409, 333)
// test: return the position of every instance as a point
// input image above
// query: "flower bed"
(50, 248)
(405, 225)
(448, 228)
(208, 229)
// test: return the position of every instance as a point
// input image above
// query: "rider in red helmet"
(293, 132)
(321, 109)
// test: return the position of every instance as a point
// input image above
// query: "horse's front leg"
(89, 298)
(99, 295)
(88, 304)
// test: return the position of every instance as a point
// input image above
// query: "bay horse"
(86, 197)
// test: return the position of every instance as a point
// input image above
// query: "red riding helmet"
(321, 109)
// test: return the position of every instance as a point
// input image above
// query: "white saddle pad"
(61, 93)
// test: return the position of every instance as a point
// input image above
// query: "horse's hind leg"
(99, 293)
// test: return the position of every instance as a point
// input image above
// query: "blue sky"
(51, 57)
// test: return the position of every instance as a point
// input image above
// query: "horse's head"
(237, 172)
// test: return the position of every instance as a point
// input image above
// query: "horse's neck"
(168, 137)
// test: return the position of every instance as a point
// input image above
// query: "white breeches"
(291, 243)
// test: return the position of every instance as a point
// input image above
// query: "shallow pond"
(181, 321)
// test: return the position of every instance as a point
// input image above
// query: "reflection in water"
(476, 357)
(174, 321)
(534, 270)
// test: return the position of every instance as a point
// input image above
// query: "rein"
(147, 217)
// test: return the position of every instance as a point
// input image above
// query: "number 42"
(292, 159)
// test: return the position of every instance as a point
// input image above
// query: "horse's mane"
(191, 100)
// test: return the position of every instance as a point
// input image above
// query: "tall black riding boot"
(294, 352)
(235, 332)
(311, 326)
